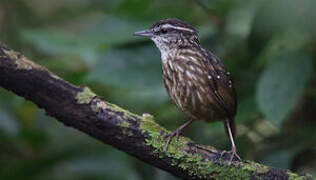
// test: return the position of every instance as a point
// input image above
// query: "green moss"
(148, 125)
(119, 109)
(251, 166)
(148, 116)
(22, 62)
(98, 105)
(85, 96)
(192, 163)
(207, 169)
(127, 132)
(26, 64)
(293, 176)
(124, 124)
(112, 108)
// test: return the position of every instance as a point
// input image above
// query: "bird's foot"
(170, 136)
(176, 134)
(232, 154)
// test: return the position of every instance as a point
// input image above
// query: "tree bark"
(139, 136)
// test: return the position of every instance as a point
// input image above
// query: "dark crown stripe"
(176, 23)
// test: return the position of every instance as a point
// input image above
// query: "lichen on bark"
(85, 96)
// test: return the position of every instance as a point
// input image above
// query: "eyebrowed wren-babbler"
(194, 77)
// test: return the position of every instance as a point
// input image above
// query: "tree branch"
(139, 136)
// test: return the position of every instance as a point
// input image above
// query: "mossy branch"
(139, 136)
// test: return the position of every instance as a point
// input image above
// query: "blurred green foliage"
(269, 46)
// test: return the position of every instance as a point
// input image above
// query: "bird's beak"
(144, 33)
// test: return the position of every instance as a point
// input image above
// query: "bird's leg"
(176, 133)
(233, 151)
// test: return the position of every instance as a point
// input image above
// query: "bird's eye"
(163, 31)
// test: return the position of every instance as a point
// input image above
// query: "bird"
(195, 79)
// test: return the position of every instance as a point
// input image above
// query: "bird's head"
(170, 33)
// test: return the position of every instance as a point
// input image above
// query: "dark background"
(268, 46)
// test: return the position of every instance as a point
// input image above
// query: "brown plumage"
(195, 79)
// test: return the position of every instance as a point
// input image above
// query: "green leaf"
(239, 20)
(277, 16)
(56, 42)
(106, 32)
(282, 84)
(111, 31)
(291, 40)
(137, 70)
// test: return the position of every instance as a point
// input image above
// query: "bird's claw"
(232, 153)
(170, 136)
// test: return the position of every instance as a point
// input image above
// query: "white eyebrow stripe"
(176, 27)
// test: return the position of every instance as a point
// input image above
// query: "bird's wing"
(210, 72)
(222, 85)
